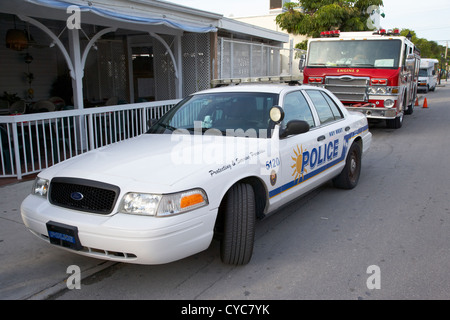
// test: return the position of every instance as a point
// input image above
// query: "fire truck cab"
(375, 73)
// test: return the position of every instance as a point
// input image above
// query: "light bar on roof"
(330, 34)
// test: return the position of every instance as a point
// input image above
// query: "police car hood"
(156, 159)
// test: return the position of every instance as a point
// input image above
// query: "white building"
(268, 21)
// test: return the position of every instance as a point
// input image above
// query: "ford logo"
(76, 196)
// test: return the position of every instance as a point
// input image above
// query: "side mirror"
(276, 114)
(410, 61)
(294, 127)
(301, 64)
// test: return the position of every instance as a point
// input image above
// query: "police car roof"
(269, 88)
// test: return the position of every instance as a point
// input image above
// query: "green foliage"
(344, 15)
(428, 49)
(320, 15)
(302, 45)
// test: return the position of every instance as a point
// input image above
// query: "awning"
(125, 14)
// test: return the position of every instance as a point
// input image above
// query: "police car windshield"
(355, 53)
(235, 114)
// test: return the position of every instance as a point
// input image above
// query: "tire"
(236, 246)
(349, 177)
(395, 123)
(410, 109)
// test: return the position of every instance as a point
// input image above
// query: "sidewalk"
(31, 268)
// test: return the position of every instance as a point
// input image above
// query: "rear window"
(327, 110)
(296, 107)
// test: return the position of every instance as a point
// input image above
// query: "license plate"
(63, 235)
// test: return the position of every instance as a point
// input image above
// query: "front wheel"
(410, 109)
(239, 225)
(395, 123)
(349, 177)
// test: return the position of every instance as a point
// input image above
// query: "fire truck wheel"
(349, 177)
(395, 123)
(410, 109)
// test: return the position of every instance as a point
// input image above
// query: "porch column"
(179, 61)
(77, 86)
(77, 80)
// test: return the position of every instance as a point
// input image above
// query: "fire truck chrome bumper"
(375, 113)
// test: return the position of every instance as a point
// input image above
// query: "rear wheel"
(349, 177)
(238, 225)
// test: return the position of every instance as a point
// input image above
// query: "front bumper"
(375, 112)
(124, 237)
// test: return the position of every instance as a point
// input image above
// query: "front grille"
(348, 88)
(83, 195)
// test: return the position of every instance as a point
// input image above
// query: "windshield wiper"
(206, 129)
(166, 126)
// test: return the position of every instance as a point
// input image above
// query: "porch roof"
(142, 15)
(154, 17)
(126, 14)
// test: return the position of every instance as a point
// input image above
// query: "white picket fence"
(33, 142)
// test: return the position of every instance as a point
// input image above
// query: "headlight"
(378, 90)
(40, 187)
(381, 90)
(388, 103)
(163, 205)
(140, 203)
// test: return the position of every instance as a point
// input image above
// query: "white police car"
(212, 165)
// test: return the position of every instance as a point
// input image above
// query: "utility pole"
(446, 63)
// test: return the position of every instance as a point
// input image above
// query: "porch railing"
(33, 142)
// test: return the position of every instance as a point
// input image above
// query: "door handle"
(321, 138)
(347, 128)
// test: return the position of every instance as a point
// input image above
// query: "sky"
(430, 19)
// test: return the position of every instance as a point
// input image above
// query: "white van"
(427, 75)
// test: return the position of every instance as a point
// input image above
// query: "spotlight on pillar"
(409, 36)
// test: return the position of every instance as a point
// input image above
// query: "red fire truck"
(375, 73)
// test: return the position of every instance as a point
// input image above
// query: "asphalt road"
(396, 222)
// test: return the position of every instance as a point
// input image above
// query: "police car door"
(292, 174)
(327, 158)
